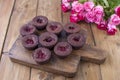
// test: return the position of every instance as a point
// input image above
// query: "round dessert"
(27, 29)
(63, 49)
(54, 27)
(48, 39)
(71, 28)
(77, 40)
(30, 42)
(40, 22)
(41, 55)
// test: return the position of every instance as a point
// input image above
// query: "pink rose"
(78, 7)
(65, 7)
(64, 1)
(98, 19)
(102, 25)
(117, 10)
(88, 6)
(90, 16)
(111, 29)
(74, 18)
(114, 19)
(98, 10)
(75, 3)
(81, 16)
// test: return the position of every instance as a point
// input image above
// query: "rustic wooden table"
(14, 13)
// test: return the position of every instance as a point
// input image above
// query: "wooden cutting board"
(66, 67)
(92, 54)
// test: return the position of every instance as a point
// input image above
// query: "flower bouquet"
(104, 13)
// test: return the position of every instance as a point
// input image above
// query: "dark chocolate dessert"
(41, 55)
(54, 27)
(77, 40)
(48, 39)
(63, 49)
(27, 29)
(40, 22)
(71, 28)
(30, 42)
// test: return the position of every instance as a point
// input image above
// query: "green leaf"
(82, 1)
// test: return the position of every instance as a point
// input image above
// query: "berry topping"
(53, 27)
(71, 27)
(29, 41)
(48, 39)
(39, 20)
(28, 29)
(62, 48)
(40, 55)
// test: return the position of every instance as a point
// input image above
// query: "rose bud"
(117, 10)
(111, 29)
(114, 19)
(88, 6)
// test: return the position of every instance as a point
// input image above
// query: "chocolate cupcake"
(40, 22)
(77, 40)
(30, 42)
(28, 29)
(63, 49)
(71, 28)
(54, 27)
(41, 55)
(48, 39)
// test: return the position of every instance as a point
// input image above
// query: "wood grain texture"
(110, 69)
(23, 12)
(54, 14)
(5, 13)
(12, 71)
(42, 75)
(66, 67)
(50, 9)
(92, 54)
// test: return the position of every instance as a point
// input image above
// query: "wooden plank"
(51, 9)
(12, 71)
(87, 71)
(110, 69)
(23, 12)
(92, 54)
(66, 67)
(5, 12)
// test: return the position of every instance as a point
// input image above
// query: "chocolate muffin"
(40, 22)
(54, 27)
(28, 29)
(63, 49)
(41, 55)
(71, 28)
(48, 39)
(77, 40)
(30, 42)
